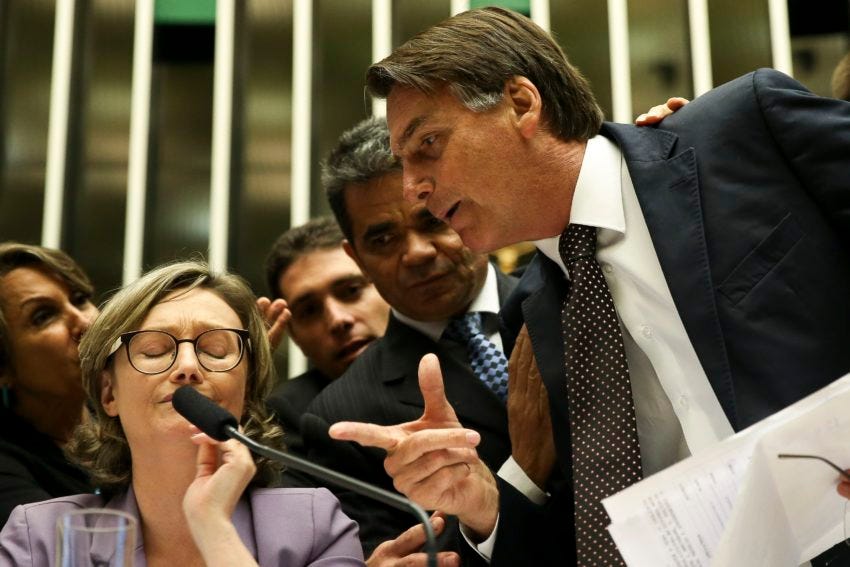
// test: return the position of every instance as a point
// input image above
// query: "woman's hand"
(224, 470)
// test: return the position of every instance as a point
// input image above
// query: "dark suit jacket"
(746, 194)
(289, 400)
(33, 467)
(382, 387)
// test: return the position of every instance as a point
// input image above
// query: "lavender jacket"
(279, 526)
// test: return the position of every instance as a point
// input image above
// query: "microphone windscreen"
(203, 413)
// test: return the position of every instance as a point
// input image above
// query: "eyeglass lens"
(152, 352)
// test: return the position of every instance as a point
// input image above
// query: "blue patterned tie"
(487, 361)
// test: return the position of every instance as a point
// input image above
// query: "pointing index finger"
(366, 434)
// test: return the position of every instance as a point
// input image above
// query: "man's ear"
(107, 393)
(524, 103)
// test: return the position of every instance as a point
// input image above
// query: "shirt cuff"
(485, 548)
(513, 474)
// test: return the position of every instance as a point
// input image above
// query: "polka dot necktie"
(605, 451)
(487, 361)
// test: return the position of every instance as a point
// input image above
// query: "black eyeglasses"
(824, 460)
(153, 352)
(845, 477)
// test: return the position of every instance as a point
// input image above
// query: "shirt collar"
(486, 301)
(598, 196)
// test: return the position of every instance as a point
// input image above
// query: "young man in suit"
(706, 261)
(333, 313)
(330, 309)
(430, 279)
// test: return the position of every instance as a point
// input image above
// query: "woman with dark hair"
(198, 501)
(45, 307)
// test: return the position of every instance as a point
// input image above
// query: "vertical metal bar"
(302, 81)
(621, 74)
(382, 33)
(458, 6)
(57, 132)
(302, 89)
(700, 46)
(539, 10)
(222, 137)
(140, 105)
(780, 36)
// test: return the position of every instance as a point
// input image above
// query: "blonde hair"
(100, 445)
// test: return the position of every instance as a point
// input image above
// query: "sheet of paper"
(771, 542)
(736, 503)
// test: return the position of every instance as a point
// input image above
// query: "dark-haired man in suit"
(429, 278)
(328, 307)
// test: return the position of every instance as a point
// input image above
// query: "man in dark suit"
(331, 310)
(721, 241)
(420, 266)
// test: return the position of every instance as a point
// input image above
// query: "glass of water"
(95, 537)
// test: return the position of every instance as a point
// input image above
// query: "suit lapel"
(543, 328)
(541, 290)
(669, 195)
(506, 286)
(473, 403)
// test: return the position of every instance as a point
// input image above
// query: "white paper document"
(736, 503)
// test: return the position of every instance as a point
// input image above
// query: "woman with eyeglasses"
(45, 307)
(198, 501)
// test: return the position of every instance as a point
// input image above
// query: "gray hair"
(100, 445)
(361, 155)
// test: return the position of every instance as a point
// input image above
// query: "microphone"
(221, 425)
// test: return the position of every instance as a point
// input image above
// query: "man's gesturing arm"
(433, 460)
(532, 444)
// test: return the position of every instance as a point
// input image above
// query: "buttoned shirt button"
(683, 402)
(646, 331)
(608, 268)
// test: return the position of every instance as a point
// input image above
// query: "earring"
(6, 395)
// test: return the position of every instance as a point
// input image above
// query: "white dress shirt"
(676, 410)
(665, 372)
